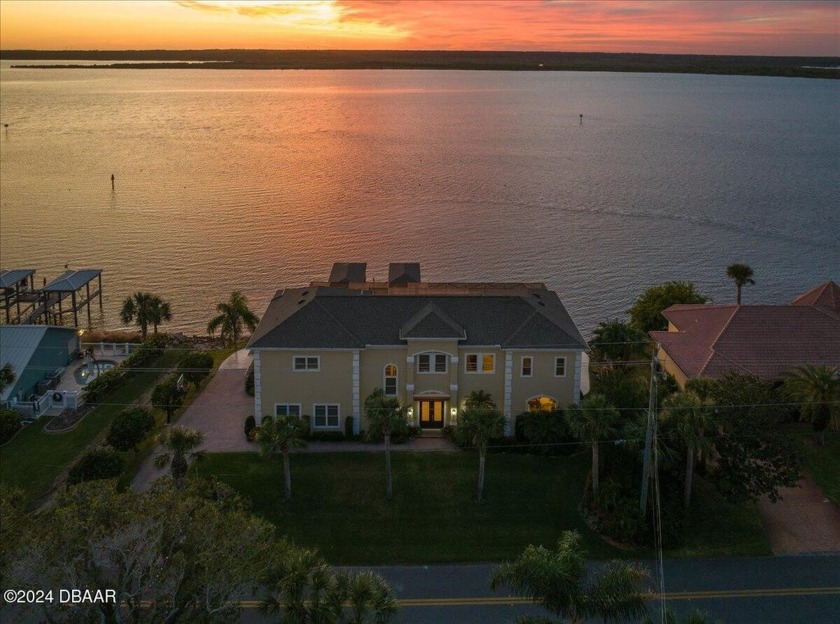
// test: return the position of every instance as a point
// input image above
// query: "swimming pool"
(92, 370)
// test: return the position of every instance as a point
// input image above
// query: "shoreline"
(801, 67)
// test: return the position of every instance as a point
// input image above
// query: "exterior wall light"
(453, 412)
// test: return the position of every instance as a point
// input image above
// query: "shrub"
(129, 428)
(250, 428)
(547, 431)
(96, 388)
(101, 463)
(196, 366)
(348, 427)
(306, 426)
(151, 348)
(249, 380)
(9, 424)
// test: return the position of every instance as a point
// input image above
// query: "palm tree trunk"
(287, 473)
(689, 475)
(481, 454)
(389, 490)
(738, 286)
(595, 468)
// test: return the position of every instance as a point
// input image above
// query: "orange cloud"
(784, 27)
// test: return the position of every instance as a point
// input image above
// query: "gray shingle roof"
(323, 317)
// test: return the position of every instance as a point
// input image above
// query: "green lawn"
(32, 461)
(716, 528)
(822, 463)
(339, 504)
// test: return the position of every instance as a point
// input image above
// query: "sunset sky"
(798, 27)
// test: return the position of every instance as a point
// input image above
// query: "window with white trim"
(306, 363)
(432, 363)
(480, 363)
(390, 381)
(527, 367)
(326, 415)
(287, 409)
(559, 367)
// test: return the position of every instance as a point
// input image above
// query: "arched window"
(390, 384)
(542, 404)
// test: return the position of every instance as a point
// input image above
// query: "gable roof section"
(346, 318)
(826, 294)
(431, 322)
(17, 346)
(763, 340)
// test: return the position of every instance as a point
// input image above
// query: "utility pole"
(650, 431)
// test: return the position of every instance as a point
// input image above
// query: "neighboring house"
(763, 340)
(321, 350)
(38, 354)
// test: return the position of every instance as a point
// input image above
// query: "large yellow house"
(320, 350)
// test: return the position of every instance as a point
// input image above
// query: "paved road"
(765, 590)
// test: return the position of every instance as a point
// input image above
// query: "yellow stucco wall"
(333, 383)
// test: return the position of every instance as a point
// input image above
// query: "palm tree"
(367, 593)
(689, 417)
(145, 309)
(560, 582)
(161, 311)
(478, 426)
(281, 433)
(479, 399)
(304, 589)
(592, 420)
(817, 388)
(742, 274)
(179, 443)
(385, 415)
(233, 314)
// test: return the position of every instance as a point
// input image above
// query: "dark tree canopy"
(754, 456)
(196, 366)
(129, 428)
(100, 463)
(616, 341)
(646, 313)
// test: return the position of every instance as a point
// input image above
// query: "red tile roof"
(764, 340)
(826, 294)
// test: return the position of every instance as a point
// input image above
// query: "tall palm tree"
(233, 315)
(144, 309)
(282, 433)
(161, 311)
(560, 581)
(688, 416)
(817, 389)
(479, 399)
(385, 415)
(179, 444)
(592, 420)
(478, 427)
(742, 274)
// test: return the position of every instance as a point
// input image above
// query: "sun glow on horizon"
(783, 27)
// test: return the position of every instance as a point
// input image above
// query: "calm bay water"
(258, 180)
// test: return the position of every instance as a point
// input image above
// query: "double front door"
(431, 414)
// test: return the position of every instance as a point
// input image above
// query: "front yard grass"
(716, 528)
(339, 505)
